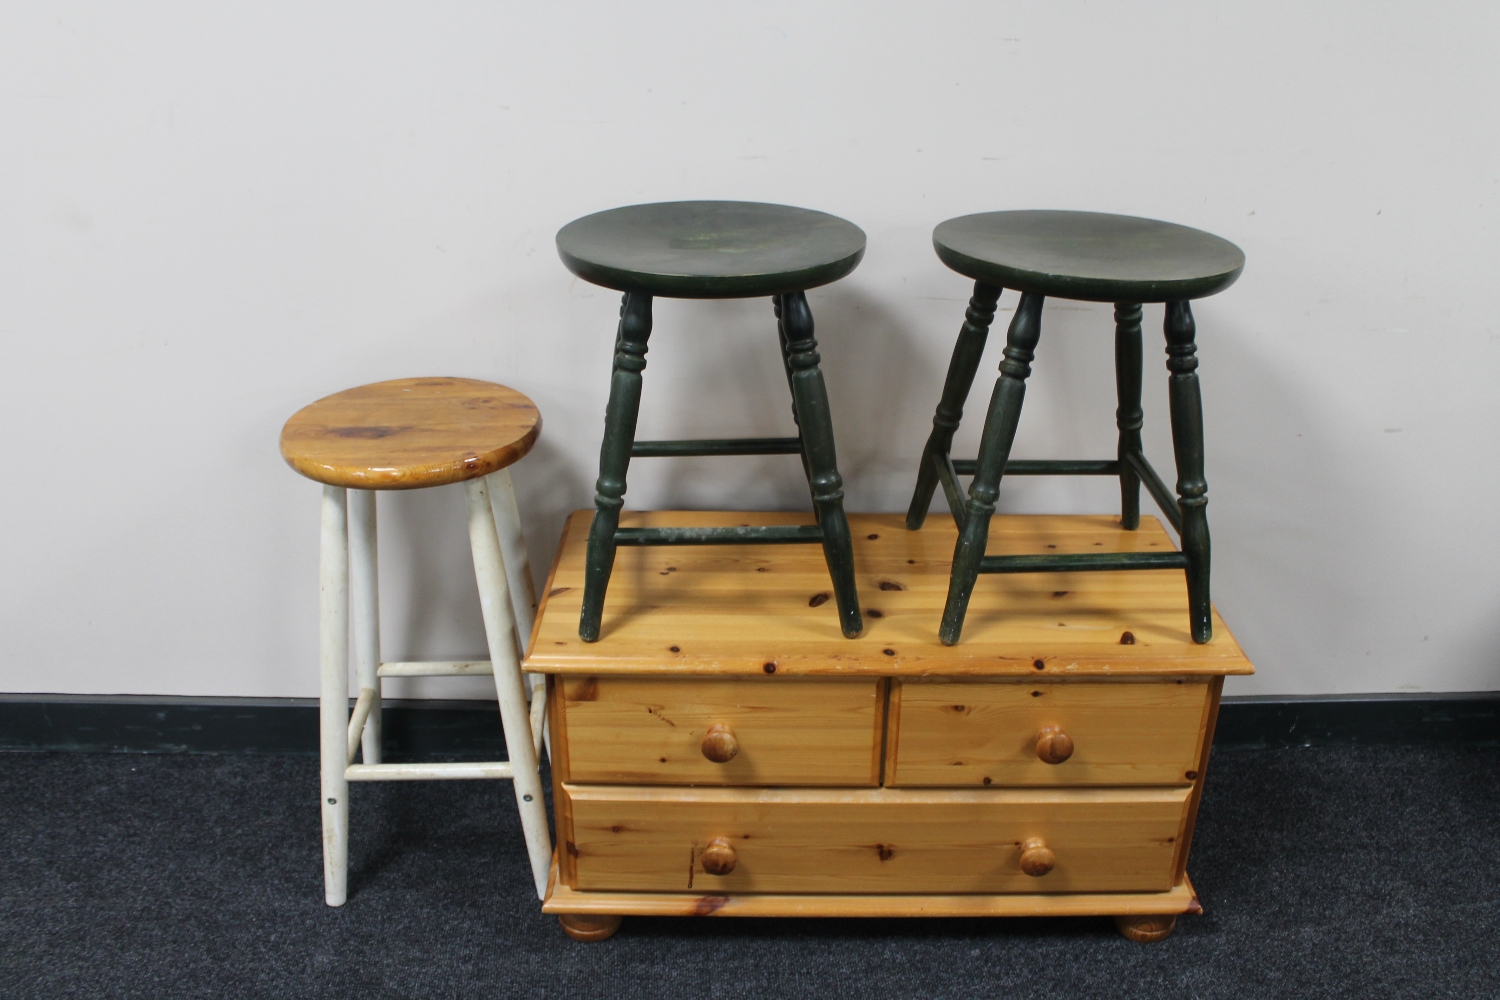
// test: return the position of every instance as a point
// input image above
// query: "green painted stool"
(1094, 258)
(715, 250)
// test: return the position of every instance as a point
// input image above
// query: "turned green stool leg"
(810, 397)
(994, 452)
(1187, 444)
(1128, 418)
(786, 364)
(614, 457)
(950, 410)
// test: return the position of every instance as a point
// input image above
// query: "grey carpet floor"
(1359, 872)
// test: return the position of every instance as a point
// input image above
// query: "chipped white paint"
(368, 697)
(523, 597)
(349, 579)
(513, 549)
(364, 596)
(333, 701)
(428, 772)
(538, 718)
(437, 668)
(494, 601)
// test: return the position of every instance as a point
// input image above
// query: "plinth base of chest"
(561, 900)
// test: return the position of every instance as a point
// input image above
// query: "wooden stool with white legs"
(404, 435)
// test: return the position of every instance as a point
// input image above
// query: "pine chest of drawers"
(723, 750)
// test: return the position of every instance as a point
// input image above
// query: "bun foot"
(1144, 928)
(591, 926)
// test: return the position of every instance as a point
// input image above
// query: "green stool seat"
(715, 250)
(710, 249)
(1090, 257)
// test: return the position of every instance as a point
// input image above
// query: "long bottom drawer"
(747, 840)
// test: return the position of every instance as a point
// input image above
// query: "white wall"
(211, 214)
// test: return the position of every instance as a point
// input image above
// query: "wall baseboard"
(470, 730)
(1471, 718)
(414, 730)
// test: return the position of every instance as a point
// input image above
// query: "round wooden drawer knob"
(1053, 745)
(719, 857)
(720, 746)
(1037, 858)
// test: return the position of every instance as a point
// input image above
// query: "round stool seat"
(410, 433)
(710, 249)
(1088, 255)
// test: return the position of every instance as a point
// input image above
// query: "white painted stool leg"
(364, 594)
(517, 573)
(513, 548)
(489, 572)
(333, 695)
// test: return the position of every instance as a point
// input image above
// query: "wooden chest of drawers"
(724, 750)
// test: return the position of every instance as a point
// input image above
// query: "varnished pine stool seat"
(402, 435)
(1091, 257)
(411, 433)
(716, 250)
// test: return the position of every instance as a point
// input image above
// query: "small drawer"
(745, 840)
(1055, 733)
(720, 731)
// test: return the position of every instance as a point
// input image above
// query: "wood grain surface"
(873, 841)
(588, 927)
(767, 609)
(790, 731)
(410, 433)
(557, 726)
(1181, 898)
(1200, 773)
(986, 733)
(1146, 928)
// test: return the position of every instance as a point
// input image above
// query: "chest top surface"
(768, 609)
